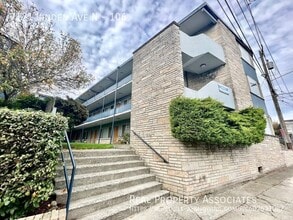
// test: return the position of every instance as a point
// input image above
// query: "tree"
(40, 60)
(76, 112)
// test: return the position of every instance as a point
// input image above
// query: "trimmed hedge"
(207, 121)
(30, 143)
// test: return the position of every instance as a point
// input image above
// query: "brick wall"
(231, 74)
(192, 170)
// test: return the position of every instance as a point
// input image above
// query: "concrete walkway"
(268, 197)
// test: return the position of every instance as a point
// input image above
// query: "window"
(109, 132)
(125, 102)
(245, 55)
(123, 129)
(254, 87)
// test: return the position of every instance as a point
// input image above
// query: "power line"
(266, 75)
(242, 11)
(285, 85)
(286, 93)
(258, 42)
(249, 9)
(284, 74)
(288, 103)
(235, 19)
(287, 139)
(260, 36)
(236, 32)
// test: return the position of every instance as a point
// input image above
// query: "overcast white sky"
(109, 31)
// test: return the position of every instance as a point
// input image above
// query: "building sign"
(223, 89)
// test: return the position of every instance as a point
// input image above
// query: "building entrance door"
(115, 134)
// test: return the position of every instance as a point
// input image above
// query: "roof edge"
(172, 23)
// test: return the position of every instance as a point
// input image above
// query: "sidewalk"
(268, 197)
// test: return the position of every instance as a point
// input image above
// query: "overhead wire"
(261, 37)
(257, 40)
(236, 32)
(242, 11)
(285, 74)
(235, 19)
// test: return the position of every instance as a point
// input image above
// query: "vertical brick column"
(157, 79)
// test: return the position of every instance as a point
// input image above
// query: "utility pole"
(286, 137)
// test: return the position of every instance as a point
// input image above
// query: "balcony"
(123, 108)
(214, 90)
(109, 90)
(200, 53)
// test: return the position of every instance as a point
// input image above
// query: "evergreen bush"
(30, 143)
(208, 121)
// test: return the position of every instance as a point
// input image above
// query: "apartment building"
(204, 73)
(197, 57)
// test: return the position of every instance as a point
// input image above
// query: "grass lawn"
(81, 146)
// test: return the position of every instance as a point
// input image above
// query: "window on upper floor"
(245, 55)
(254, 87)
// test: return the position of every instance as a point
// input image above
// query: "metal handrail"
(147, 144)
(69, 184)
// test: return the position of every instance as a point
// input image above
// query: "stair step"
(103, 159)
(128, 208)
(90, 178)
(91, 168)
(103, 187)
(101, 152)
(82, 207)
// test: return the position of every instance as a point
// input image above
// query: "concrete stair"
(109, 184)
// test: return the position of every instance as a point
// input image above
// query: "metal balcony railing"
(214, 90)
(108, 113)
(112, 88)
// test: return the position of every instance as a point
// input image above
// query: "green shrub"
(29, 101)
(24, 102)
(29, 148)
(126, 138)
(207, 121)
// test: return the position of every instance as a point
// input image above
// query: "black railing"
(69, 183)
(147, 144)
